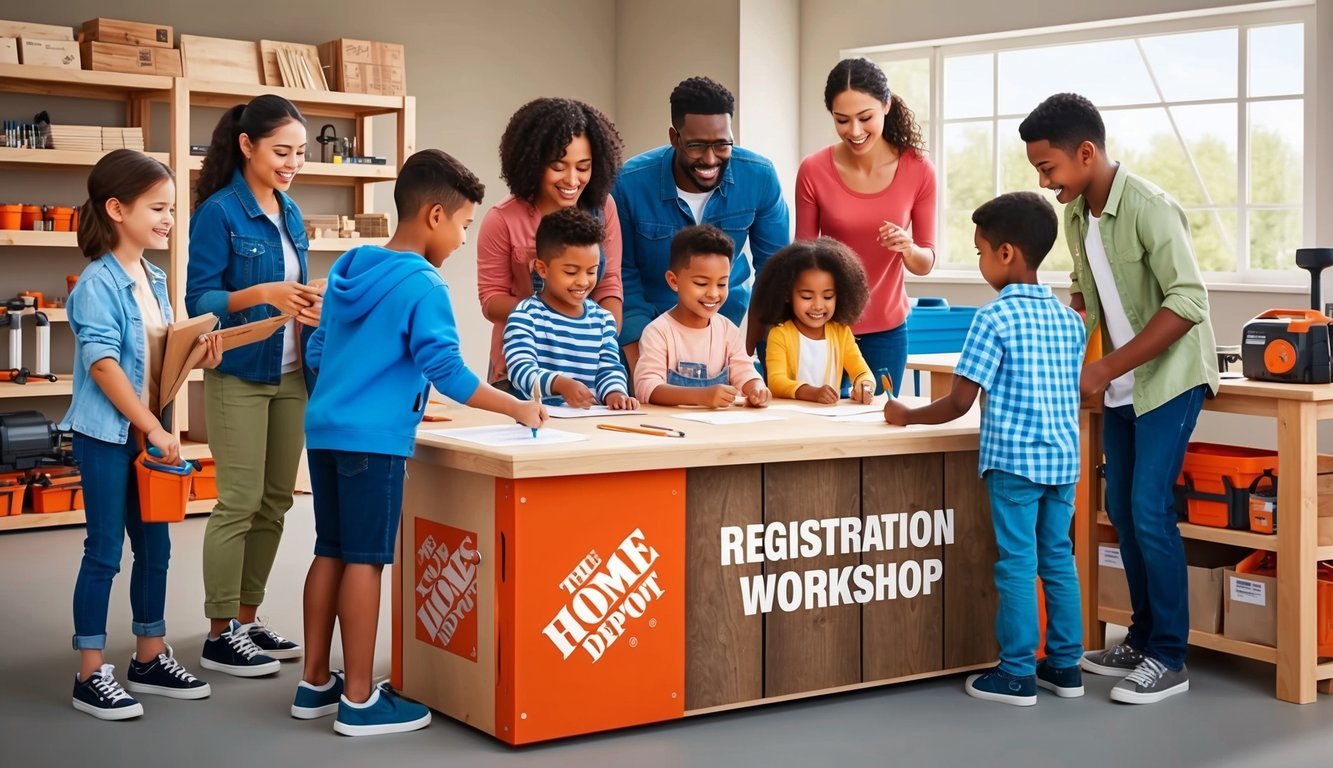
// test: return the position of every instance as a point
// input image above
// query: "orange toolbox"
(204, 484)
(57, 491)
(1265, 564)
(13, 486)
(1214, 484)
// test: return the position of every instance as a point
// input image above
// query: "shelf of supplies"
(1229, 536)
(27, 238)
(340, 244)
(10, 390)
(76, 517)
(58, 81)
(324, 103)
(57, 158)
(328, 173)
(1202, 639)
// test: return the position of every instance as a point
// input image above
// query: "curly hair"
(1025, 220)
(865, 76)
(258, 119)
(700, 96)
(699, 240)
(433, 176)
(771, 302)
(537, 136)
(1066, 120)
(568, 226)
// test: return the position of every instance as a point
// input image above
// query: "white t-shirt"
(1121, 390)
(812, 366)
(155, 335)
(291, 358)
(696, 201)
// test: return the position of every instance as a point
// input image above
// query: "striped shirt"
(540, 344)
(1025, 349)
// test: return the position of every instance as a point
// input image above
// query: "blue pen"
(536, 398)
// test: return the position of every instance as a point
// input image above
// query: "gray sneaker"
(1150, 682)
(1116, 661)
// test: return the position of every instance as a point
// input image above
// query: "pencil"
(888, 385)
(536, 398)
(657, 432)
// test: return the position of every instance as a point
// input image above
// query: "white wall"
(769, 98)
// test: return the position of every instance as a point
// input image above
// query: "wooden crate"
(9, 50)
(128, 33)
(364, 66)
(133, 59)
(49, 53)
(35, 31)
(215, 58)
(294, 65)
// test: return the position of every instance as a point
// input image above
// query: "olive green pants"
(256, 433)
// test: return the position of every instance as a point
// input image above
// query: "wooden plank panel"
(902, 637)
(970, 598)
(724, 648)
(815, 648)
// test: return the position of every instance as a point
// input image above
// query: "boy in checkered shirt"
(1025, 349)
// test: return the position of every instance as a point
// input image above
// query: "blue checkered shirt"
(1025, 349)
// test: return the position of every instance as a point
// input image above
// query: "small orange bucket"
(11, 216)
(61, 218)
(164, 490)
(31, 214)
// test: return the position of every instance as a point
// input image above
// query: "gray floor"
(1230, 718)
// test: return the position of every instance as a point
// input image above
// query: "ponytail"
(123, 175)
(258, 119)
(900, 128)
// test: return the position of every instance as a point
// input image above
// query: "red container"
(1213, 476)
(11, 216)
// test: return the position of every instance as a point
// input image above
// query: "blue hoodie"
(387, 328)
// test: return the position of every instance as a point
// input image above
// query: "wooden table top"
(796, 437)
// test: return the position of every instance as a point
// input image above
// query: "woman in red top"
(875, 191)
(555, 153)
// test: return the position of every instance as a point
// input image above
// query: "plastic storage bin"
(164, 490)
(13, 489)
(934, 326)
(57, 491)
(205, 482)
(1214, 484)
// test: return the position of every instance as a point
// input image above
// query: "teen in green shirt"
(1136, 277)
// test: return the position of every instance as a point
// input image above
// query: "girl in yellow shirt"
(809, 294)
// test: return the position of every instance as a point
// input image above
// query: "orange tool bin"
(13, 486)
(164, 491)
(205, 482)
(1265, 564)
(53, 492)
(1214, 483)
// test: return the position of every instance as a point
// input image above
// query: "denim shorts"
(358, 504)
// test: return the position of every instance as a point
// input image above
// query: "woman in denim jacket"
(119, 313)
(248, 262)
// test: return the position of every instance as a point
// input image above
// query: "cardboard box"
(363, 66)
(1205, 596)
(135, 60)
(9, 50)
(128, 33)
(35, 31)
(1249, 608)
(1112, 589)
(49, 53)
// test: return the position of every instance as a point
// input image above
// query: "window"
(1212, 109)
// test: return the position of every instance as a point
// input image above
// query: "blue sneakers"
(318, 701)
(236, 654)
(103, 698)
(384, 712)
(1065, 682)
(165, 676)
(998, 685)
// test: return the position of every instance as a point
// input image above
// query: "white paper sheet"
(729, 417)
(565, 412)
(841, 408)
(508, 436)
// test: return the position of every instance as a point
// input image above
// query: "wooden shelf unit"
(1266, 653)
(27, 239)
(31, 520)
(61, 158)
(35, 388)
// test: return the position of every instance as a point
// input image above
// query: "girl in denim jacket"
(119, 313)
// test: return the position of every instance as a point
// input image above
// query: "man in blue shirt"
(700, 177)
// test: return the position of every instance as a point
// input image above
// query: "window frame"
(1242, 18)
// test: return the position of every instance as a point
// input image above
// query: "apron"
(686, 374)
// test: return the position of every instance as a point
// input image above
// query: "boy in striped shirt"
(560, 344)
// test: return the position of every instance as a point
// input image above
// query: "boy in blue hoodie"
(386, 334)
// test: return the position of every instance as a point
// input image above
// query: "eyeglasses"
(697, 149)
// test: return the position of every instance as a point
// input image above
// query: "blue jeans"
(1032, 535)
(111, 498)
(886, 354)
(1143, 459)
(358, 504)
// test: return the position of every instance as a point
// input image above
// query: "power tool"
(1292, 345)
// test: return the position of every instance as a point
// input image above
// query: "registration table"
(547, 589)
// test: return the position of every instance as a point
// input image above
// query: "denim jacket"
(747, 205)
(233, 246)
(107, 323)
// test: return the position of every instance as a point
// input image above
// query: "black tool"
(1292, 345)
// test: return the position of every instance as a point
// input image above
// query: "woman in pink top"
(875, 191)
(554, 154)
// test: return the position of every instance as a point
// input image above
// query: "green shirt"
(1147, 242)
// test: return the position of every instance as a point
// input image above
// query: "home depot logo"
(605, 597)
(446, 591)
